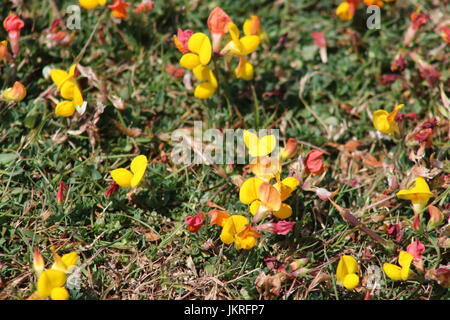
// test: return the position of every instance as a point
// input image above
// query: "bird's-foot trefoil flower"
(419, 194)
(385, 122)
(68, 89)
(241, 47)
(197, 60)
(346, 272)
(403, 272)
(126, 178)
(13, 24)
(236, 229)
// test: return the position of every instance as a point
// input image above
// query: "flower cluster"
(51, 282)
(347, 270)
(265, 194)
(198, 50)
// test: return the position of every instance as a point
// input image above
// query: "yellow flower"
(259, 147)
(240, 46)
(385, 122)
(236, 229)
(68, 88)
(17, 93)
(91, 4)
(263, 197)
(399, 273)
(50, 280)
(346, 272)
(419, 195)
(126, 178)
(197, 60)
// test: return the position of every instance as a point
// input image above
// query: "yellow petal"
(70, 259)
(254, 207)
(393, 114)
(122, 177)
(244, 70)
(284, 212)
(58, 264)
(234, 33)
(232, 225)
(249, 44)
(77, 96)
(350, 281)
(72, 70)
(392, 271)
(269, 196)
(380, 121)
(199, 43)
(287, 186)
(405, 259)
(249, 190)
(420, 193)
(347, 265)
(138, 167)
(90, 4)
(259, 147)
(65, 109)
(204, 73)
(204, 90)
(48, 280)
(59, 294)
(245, 243)
(190, 60)
(59, 76)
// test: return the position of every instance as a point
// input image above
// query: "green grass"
(113, 236)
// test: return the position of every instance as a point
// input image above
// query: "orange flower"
(218, 22)
(119, 9)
